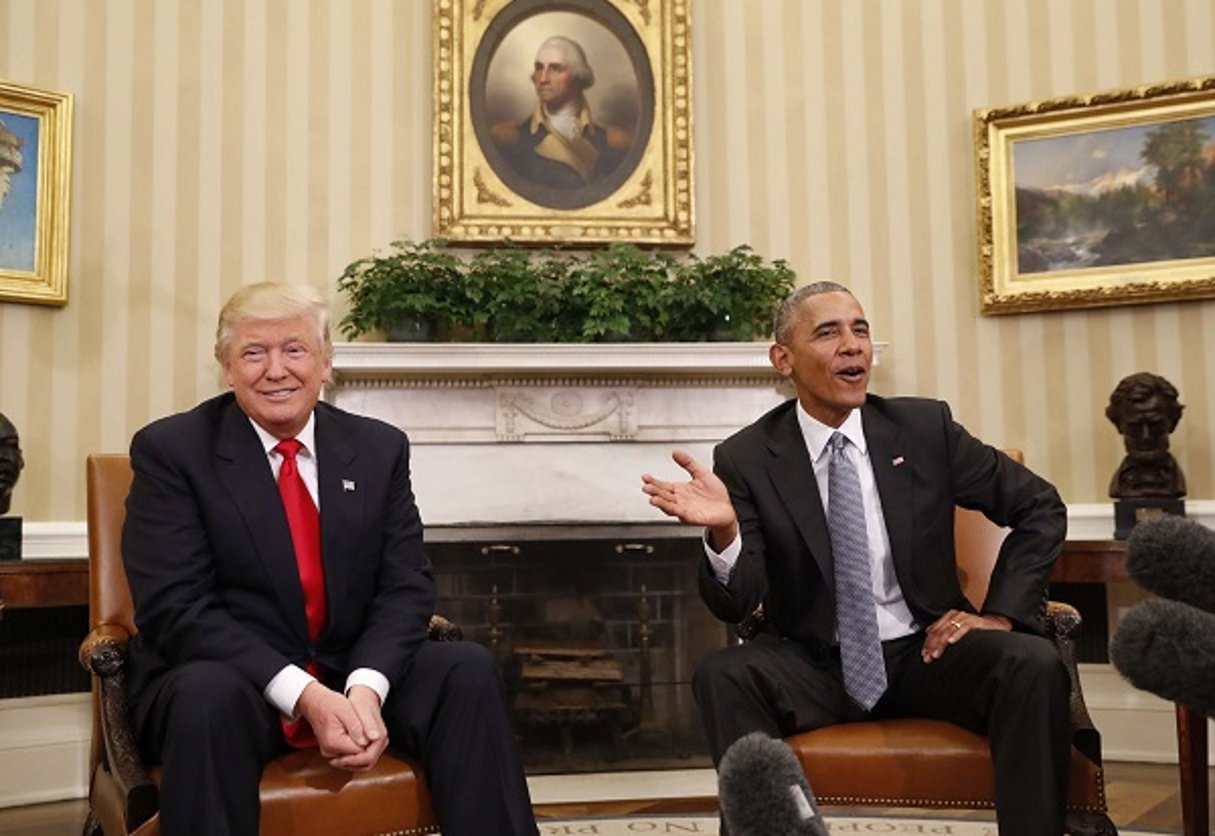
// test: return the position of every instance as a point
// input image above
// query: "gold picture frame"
(499, 172)
(35, 191)
(1105, 199)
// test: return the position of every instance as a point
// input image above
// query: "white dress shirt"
(894, 617)
(283, 691)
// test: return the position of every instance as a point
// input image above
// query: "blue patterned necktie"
(855, 609)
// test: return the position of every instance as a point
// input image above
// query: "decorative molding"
(564, 413)
(1094, 521)
(390, 363)
(54, 540)
(353, 361)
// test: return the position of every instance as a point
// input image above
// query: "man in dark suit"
(766, 510)
(242, 649)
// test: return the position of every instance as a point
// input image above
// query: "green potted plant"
(622, 294)
(731, 296)
(519, 293)
(511, 294)
(413, 292)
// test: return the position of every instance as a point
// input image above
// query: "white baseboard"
(44, 748)
(1134, 725)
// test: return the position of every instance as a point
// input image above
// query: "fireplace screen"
(597, 641)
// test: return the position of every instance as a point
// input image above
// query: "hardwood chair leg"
(1192, 760)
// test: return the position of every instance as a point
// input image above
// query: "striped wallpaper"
(221, 141)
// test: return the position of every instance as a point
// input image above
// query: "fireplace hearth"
(597, 638)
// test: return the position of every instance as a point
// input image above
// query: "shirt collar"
(306, 436)
(817, 434)
(582, 120)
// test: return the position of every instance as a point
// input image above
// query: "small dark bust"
(11, 462)
(1145, 409)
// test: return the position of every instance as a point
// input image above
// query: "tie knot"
(837, 442)
(288, 447)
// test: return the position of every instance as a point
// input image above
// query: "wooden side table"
(44, 583)
(1091, 561)
(1104, 561)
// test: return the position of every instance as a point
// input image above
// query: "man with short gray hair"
(835, 512)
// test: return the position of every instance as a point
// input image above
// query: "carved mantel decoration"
(549, 412)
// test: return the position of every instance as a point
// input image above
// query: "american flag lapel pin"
(348, 485)
(896, 461)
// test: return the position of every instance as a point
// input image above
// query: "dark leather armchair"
(300, 792)
(934, 764)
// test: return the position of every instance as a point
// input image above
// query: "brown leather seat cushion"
(914, 762)
(301, 793)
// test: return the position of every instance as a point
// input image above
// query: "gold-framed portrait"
(35, 190)
(563, 121)
(1105, 199)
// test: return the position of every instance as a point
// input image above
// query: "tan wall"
(222, 142)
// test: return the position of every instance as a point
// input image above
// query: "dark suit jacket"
(924, 464)
(522, 155)
(209, 557)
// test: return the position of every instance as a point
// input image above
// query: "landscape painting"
(35, 188)
(1119, 196)
(1095, 200)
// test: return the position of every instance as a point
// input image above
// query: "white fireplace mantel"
(444, 361)
(448, 361)
(508, 434)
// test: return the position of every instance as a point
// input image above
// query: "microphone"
(1175, 558)
(1168, 648)
(763, 791)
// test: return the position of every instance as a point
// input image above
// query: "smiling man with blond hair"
(282, 594)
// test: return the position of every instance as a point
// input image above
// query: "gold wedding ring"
(956, 625)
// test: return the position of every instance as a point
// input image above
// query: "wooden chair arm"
(443, 630)
(1063, 622)
(99, 639)
(103, 654)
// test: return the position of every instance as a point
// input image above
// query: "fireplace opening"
(597, 640)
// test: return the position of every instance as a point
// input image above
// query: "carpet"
(707, 826)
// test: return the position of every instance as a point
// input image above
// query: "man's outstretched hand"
(702, 501)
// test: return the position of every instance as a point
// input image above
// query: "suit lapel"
(792, 475)
(342, 506)
(245, 473)
(892, 471)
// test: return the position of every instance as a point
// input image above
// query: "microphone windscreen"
(1175, 558)
(763, 791)
(1168, 648)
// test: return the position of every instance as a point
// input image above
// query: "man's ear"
(778, 355)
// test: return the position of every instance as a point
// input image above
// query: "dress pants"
(212, 732)
(1013, 687)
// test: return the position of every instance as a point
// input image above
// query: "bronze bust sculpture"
(1145, 409)
(11, 462)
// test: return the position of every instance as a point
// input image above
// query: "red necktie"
(305, 524)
